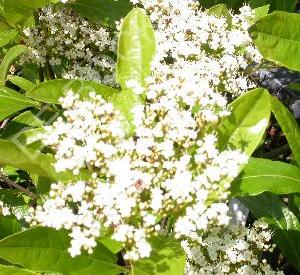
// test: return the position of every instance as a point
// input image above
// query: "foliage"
(149, 63)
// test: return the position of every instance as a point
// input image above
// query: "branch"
(11, 183)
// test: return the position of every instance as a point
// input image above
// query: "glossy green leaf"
(7, 36)
(102, 11)
(289, 127)
(51, 91)
(261, 175)
(261, 12)
(12, 102)
(245, 126)
(284, 223)
(15, 154)
(8, 226)
(16, 11)
(221, 10)
(167, 257)
(11, 55)
(14, 270)
(124, 101)
(136, 48)
(30, 138)
(45, 249)
(277, 36)
(27, 120)
(21, 82)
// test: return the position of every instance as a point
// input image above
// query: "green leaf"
(245, 126)
(167, 257)
(102, 11)
(15, 154)
(294, 86)
(16, 11)
(26, 120)
(21, 82)
(285, 224)
(12, 102)
(45, 249)
(221, 10)
(113, 245)
(289, 127)
(8, 226)
(261, 175)
(14, 270)
(51, 91)
(11, 55)
(124, 101)
(7, 36)
(30, 138)
(277, 36)
(283, 5)
(261, 12)
(12, 197)
(136, 48)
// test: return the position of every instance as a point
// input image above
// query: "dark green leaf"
(167, 258)
(8, 226)
(51, 91)
(26, 120)
(102, 11)
(245, 126)
(11, 102)
(289, 127)
(11, 55)
(277, 36)
(45, 249)
(261, 175)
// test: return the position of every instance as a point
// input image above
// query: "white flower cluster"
(165, 168)
(4, 209)
(85, 50)
(232, 250)
(172, 166)
(206, 52)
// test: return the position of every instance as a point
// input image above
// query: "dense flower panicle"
(232, 250)
(172, 165)
(85, 50)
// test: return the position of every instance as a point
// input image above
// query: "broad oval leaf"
(45, 249)
(277, 36)
(21, 82)
(9, 225)
(15, 11)
(289, 127)
(136, 48)
(102, 11)
(25, 121)
(11, 55)
(15, 154)
(7, 36)
(167, 258)
(12, 102)
(14, 270)
(51, 91)
(261, 175)
(244, 128)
